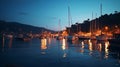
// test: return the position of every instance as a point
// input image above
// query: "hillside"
(110, 20)
(15, 27)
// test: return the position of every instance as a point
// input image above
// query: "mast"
(59, 26)
(91, 25)
(100, 15)
(95, 21)
(69, 17)
(101, 9)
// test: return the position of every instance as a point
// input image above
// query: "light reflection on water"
(94, 47)
(85, 48)
(10, 42)
(3, 42)
(82, 47)
(64, 47)
(106, 50)
(49, 41)
(100, 46)
(90, 47)
(43, 45)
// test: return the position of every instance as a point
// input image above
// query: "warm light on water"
(3, 40)
(82, 47)
(43, 44)
(63, 44)
(106, 49)
(58, 53)
(10, 43)
(90, 45)
(64, 47)
(100, 47)
(49, 40)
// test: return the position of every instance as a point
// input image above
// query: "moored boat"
(83, 38)
(59, 37)
(72, 38)
(22, 37)
(102, 37)
(115, 39)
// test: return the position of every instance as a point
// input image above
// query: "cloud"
(23, 13)
(54, 18)
(51, 17)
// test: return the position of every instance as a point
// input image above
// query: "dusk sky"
(46, 13)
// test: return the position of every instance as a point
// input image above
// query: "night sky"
(46, 13)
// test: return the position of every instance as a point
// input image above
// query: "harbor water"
(58, 53)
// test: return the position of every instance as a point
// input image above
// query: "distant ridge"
(15, 27)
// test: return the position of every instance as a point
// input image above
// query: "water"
(58, 53)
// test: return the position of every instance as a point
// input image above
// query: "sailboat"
(23, 37)
(101, 37)
(59, 37)
(115, 39)
(70, 37)
(93, 25)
